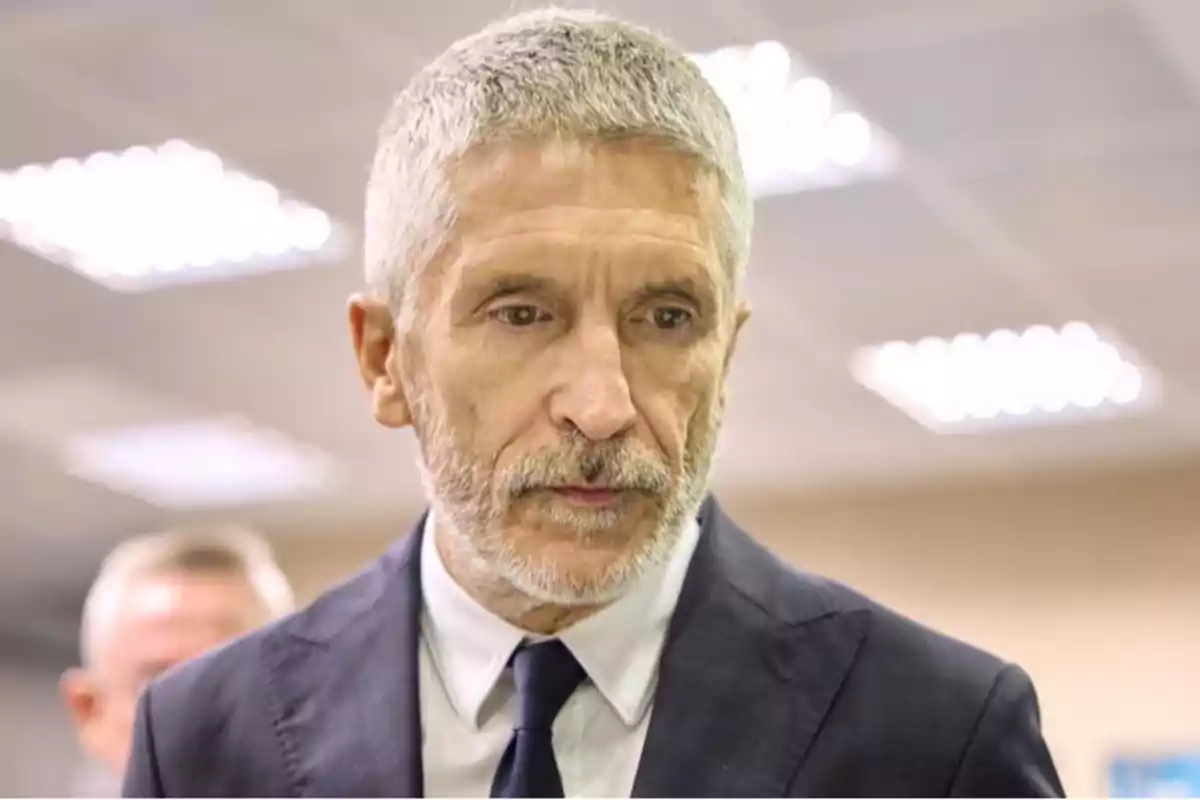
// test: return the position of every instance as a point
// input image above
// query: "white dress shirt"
(468, 701)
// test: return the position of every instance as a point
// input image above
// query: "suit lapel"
(750, 669)
(753, 661)
(344, 679)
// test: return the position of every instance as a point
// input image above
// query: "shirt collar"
(618, 646)
(470, 645)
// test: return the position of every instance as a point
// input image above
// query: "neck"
(498, 595)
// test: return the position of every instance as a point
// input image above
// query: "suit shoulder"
(917, 703)
(910, 651)
(908, 687)
(217, 684)
(197, 716)
(907, 670)
(903, 651)
(209, 683)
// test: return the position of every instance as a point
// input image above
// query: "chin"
(569, 566)
(569, 588)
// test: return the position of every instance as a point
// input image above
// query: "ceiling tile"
(1096, 69)
(878, 263)
(1121, 213)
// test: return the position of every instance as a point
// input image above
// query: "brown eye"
(520, 316)
(671, 317)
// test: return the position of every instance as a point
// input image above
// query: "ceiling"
(1050, 172)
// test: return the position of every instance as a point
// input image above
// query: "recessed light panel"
(198, 464)
(795, 132)
(1042, 375)
(150, 217)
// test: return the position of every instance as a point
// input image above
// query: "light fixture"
(149, 217)
(973, 382)
(794, 132)
(197, 464)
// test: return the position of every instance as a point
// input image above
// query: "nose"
(594, 398)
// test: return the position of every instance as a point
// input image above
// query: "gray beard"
(464, 500)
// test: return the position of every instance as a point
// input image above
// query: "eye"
(670, 317)
(519, 316)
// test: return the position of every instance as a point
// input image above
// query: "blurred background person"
(158, 601)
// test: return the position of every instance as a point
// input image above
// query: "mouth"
(589, 496)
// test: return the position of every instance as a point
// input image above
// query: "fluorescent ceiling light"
(1041, 375)
(149, 217)
(794, 132)
(196, 464)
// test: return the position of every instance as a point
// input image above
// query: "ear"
(79, 696)
(373, 333)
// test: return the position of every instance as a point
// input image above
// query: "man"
(557, 227)
(160, 600)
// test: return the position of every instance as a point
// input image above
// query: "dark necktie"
(546, 674)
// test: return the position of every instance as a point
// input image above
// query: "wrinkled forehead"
(532, 174)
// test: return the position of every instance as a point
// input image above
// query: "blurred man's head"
(157, 601)
(557, 226)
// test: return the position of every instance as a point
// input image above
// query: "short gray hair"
(546, 73)
(229, 549)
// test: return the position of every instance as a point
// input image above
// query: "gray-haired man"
(557, 227)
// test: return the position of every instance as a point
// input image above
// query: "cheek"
(675, 396)
(485, 401)
(117, 712)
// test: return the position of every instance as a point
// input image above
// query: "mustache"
(618, 465)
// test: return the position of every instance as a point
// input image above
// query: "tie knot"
(546, 675)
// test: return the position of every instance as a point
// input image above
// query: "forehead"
(528, 175)
(155, 607)
(157, 595)
(530, 204)
(167, 615)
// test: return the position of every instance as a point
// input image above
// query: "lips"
(588, 495)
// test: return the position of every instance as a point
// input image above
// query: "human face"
(157, 621)
(565, 376)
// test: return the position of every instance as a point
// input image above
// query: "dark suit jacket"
(772, 683)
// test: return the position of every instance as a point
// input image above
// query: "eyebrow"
(510, 283)
(471, 295)
(503, 284)
(513, 283)
(701, 293)
(681, 287)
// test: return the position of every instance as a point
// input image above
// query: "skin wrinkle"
(486, 172)
(587, 393)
